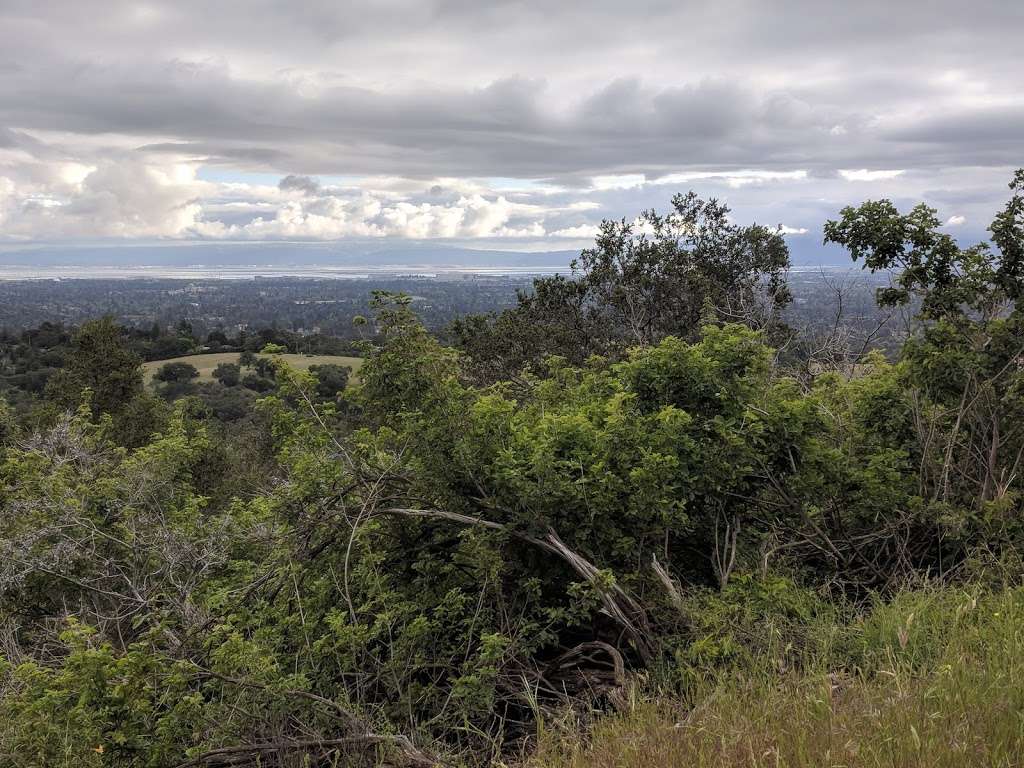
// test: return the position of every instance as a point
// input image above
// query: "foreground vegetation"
(933, 678)
(472, 553)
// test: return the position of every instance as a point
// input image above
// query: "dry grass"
(205, 364)
(955, 700)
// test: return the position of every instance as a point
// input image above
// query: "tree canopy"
(642, 281)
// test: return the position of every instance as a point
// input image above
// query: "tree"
(228, 404)
(169, 346)
(247, 359)
(454, 561)
(101, 362)
(257, 383)
(967, 350)
(654, 277)
(176, 373)
(1008, 234)
(642, 281)
(136, 423)
(331, 379)
(552, 320)
(217, 338)
(184, 329)
(228, 374)
(264, 367)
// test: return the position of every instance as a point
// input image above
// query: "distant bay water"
(253, 272)
(9, 272)
(349, 260)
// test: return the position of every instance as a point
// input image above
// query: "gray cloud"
(304, 184)
(427, 90)
(538, 115)
(507, 128)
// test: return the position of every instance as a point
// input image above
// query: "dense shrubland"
(472, 549)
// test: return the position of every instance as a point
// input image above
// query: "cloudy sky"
(513, 125)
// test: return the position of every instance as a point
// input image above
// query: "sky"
(495, 125)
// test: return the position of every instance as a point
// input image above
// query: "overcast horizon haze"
(407, 127)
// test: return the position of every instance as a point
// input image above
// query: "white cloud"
(372, 215)
(134, 194)
(75, 173)
(126, 197)
(733, 179)
(863, 174)
(618, 181)
(580, 232)
(63, 187)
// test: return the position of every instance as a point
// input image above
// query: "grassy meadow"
(206, 364)
(935, 678)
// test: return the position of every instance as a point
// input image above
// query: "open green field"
(206, 363)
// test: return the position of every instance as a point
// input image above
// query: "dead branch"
(675, 594)
(618, 604)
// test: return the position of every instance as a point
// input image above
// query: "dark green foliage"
(169, 346)
(176, 373)
(264, 366)
(140, 418)
(216, 339)
(966, 356)
(642, 281)
(956, 285)
(101, 364)
(1008, 235)
(257, 383)
(7, 425)
(227, 403)
(331, 379)
(228, 374)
